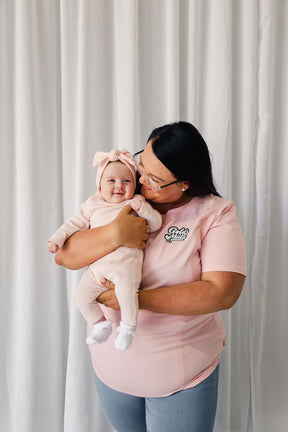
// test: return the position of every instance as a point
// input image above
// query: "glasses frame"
(148, 179)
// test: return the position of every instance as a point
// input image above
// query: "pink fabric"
(170, 353)
(123, 266)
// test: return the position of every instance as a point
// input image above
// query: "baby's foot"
(101, 332)
(125, 336)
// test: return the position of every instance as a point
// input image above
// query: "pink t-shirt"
(175, 352)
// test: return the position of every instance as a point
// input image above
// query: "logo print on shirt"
(176, 234)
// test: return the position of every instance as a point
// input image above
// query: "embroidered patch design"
(176, 234)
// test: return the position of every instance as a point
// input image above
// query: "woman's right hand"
(131, 231)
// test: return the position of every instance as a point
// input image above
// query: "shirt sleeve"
(223, 247)
(80, 221)
(152, 216)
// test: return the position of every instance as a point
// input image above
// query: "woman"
(194, 266)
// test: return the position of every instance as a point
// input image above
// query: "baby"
(116, 182)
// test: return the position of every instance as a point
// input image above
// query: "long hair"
(182, 149)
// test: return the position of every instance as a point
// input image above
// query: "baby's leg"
(126, 289)
(85, 298)
(127, 280)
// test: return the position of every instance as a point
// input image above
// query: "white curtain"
(78, 76)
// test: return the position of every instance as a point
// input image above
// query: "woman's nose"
(143, 179)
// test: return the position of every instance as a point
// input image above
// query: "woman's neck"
(164, 207)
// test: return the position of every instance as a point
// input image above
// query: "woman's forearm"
(85, 247)
(216, 291)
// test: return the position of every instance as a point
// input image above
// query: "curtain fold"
(79, 76)
(34, 315)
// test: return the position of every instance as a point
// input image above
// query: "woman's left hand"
(108, 298)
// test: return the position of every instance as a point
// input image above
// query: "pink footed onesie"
(123, 266)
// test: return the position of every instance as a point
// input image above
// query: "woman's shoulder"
(210, 204)
(201, 211)
(216, 212)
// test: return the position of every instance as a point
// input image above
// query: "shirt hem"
(192, 383)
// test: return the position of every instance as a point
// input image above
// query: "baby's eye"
(127, 181)
(110, 181)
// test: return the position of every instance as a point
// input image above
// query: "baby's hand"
(52, 247)
(136, 204)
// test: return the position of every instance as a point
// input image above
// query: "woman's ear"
(184, 185)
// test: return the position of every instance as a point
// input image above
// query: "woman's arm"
(85, 247)
(214, 292)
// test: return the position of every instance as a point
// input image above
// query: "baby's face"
(117, 183)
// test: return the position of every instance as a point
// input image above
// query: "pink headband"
(102, 159)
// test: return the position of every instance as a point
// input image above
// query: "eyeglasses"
(153, 184)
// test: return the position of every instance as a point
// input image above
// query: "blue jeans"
(191, 410)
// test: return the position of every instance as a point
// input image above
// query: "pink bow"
(113, 156)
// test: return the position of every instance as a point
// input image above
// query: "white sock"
(100, 333)
(125, 336)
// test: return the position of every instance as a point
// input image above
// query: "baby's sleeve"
(152, 216)
(78, 222)
(223, 247)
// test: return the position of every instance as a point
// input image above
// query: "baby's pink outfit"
(123, 266)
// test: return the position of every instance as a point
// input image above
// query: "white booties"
(100, 333)
(125, 336)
